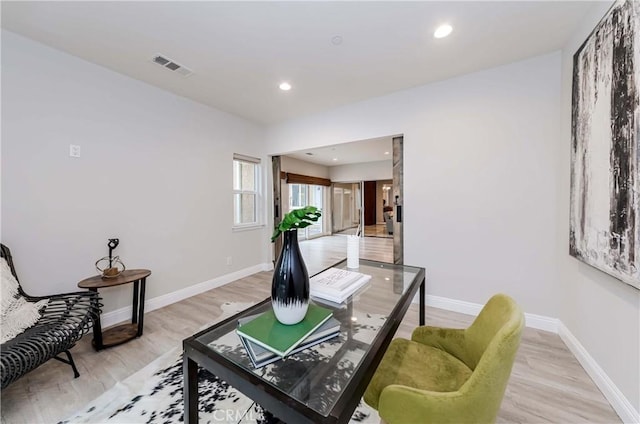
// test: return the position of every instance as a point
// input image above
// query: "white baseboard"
(539, 322)
(124, 314)
(616, 398)
(453, 305)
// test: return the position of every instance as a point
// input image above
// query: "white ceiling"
(373, 150)
(241, 51)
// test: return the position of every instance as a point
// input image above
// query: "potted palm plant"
(290, 284)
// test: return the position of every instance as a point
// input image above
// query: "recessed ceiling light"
(285, 86)
(386, 153)
(336, 41)
(335, 159)
(442, 31)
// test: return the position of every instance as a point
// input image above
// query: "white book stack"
(336, 285)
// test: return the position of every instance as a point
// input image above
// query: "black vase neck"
(291, 237)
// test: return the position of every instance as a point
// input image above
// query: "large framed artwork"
(605, 157)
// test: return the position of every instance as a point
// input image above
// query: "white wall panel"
(155, 171)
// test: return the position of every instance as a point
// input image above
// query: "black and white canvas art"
(605, 181)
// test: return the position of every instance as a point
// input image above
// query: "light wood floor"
(377, 230)
(547, 384)
(323, 252)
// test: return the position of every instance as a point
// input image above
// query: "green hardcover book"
(279, 338)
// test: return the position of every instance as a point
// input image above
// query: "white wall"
(486, 178)
(601, 311)
(155, 171)
(367, 171)
(296, 166)
(479, 176)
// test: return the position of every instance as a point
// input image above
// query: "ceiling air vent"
(171, 65)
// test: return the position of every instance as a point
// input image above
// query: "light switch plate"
(74, 150)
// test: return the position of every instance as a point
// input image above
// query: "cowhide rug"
(154, 394)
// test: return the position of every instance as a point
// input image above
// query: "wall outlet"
(229, 260)
(74, 150)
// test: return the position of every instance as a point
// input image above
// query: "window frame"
(307, 188)
(256, 193)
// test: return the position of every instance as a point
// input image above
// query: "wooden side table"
(124, 332)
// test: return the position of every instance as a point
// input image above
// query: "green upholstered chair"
(447, 375)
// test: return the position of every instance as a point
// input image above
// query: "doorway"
(345, 211)
(335, 205)
(378, 212)
(369, 203)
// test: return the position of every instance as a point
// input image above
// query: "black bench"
(63, 321)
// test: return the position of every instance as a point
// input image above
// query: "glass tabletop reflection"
(317, 376)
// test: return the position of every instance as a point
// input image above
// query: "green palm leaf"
(297, 218)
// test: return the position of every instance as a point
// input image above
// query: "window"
(297, 196)
(246, 191)
(301, 195)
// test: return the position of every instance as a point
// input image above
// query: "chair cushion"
(416, 365)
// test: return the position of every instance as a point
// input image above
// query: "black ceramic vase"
(290, 286)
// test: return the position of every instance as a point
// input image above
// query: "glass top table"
(321, 384)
